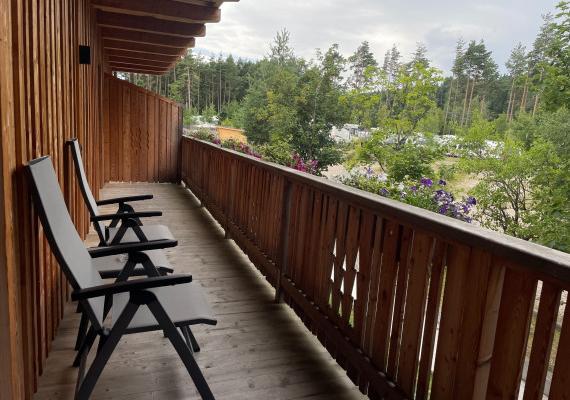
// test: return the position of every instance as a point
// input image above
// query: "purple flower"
(442, 182)
(443, 209)
(471, 200)
(384, 192)
(426, 182)
(414, 188)
(368, 172)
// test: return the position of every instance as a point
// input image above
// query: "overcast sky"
(248, 26)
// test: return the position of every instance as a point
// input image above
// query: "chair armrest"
(131, 247)
(125, 199)
(130, 286)
(123, 216)
(115, 273)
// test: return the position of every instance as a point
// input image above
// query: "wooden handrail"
(391, 289)
(534, 256)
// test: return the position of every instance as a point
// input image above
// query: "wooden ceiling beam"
(139, 61)
(141, 55)
(145, 37)
(211, 3)
(115, 65)
(150, 25)
(164, 9)
(143, 47)
(138, 70)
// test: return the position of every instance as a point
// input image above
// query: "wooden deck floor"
(258, 350)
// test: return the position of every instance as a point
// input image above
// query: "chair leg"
(190, 339)
(85, 345)
(81, 331)
(102, 340)
(182, 349)
(110, 342)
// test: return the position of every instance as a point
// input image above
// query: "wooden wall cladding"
(142, 133)
(411, 304)
(46, 97)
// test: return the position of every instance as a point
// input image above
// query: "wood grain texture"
(392, 297)
(50, 98)
(259, 350)
(140, 128)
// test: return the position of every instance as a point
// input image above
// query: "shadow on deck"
(258, 350)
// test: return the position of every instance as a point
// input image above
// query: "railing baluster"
(427, 291)
(284, 234)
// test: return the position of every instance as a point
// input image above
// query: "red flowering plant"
(308, 166)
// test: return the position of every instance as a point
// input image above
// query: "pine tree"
(359, 62)
(517, 66)
(538, 58)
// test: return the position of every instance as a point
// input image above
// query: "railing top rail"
(540, 259)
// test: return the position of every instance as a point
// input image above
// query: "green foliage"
(524, 193)
(411, 162)
(400, 162)
(278, 151)
(296, 103)
(209, 113)
(474, 139)
(410, 98)
(232, 115)
(189, 114)
(203, 134)
(557, 66)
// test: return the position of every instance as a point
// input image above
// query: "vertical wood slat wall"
(142, 133)
(46, 97)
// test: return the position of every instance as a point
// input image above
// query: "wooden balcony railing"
(411, 304)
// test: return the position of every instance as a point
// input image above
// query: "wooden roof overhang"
(150, 36)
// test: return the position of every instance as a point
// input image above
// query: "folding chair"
(125, 225)
(155, 303)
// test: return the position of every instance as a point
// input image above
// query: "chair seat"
(185, 305)
(152, 232)
(117, 262)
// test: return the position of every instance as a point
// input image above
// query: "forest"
(476, 144)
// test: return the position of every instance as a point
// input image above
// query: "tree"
(280, 50)
(269, 105)
(420, 55)
(480, 70)
(539, 59)
(523, 191)
(359, 62)
(319, 108)
(413, 95)
(458, 75)
(557, 69)
(517, 66)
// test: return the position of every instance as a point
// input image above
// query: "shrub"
(423, 193)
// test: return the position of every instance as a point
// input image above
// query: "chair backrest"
(84, 186)
(65, 242)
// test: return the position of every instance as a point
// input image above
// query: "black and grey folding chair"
(123, 261)
(125, 225)
(156, 303)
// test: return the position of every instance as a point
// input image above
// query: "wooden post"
(284, 234)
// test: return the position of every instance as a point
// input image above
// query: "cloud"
(247, 27)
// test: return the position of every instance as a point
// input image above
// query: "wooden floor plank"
(258, 350)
